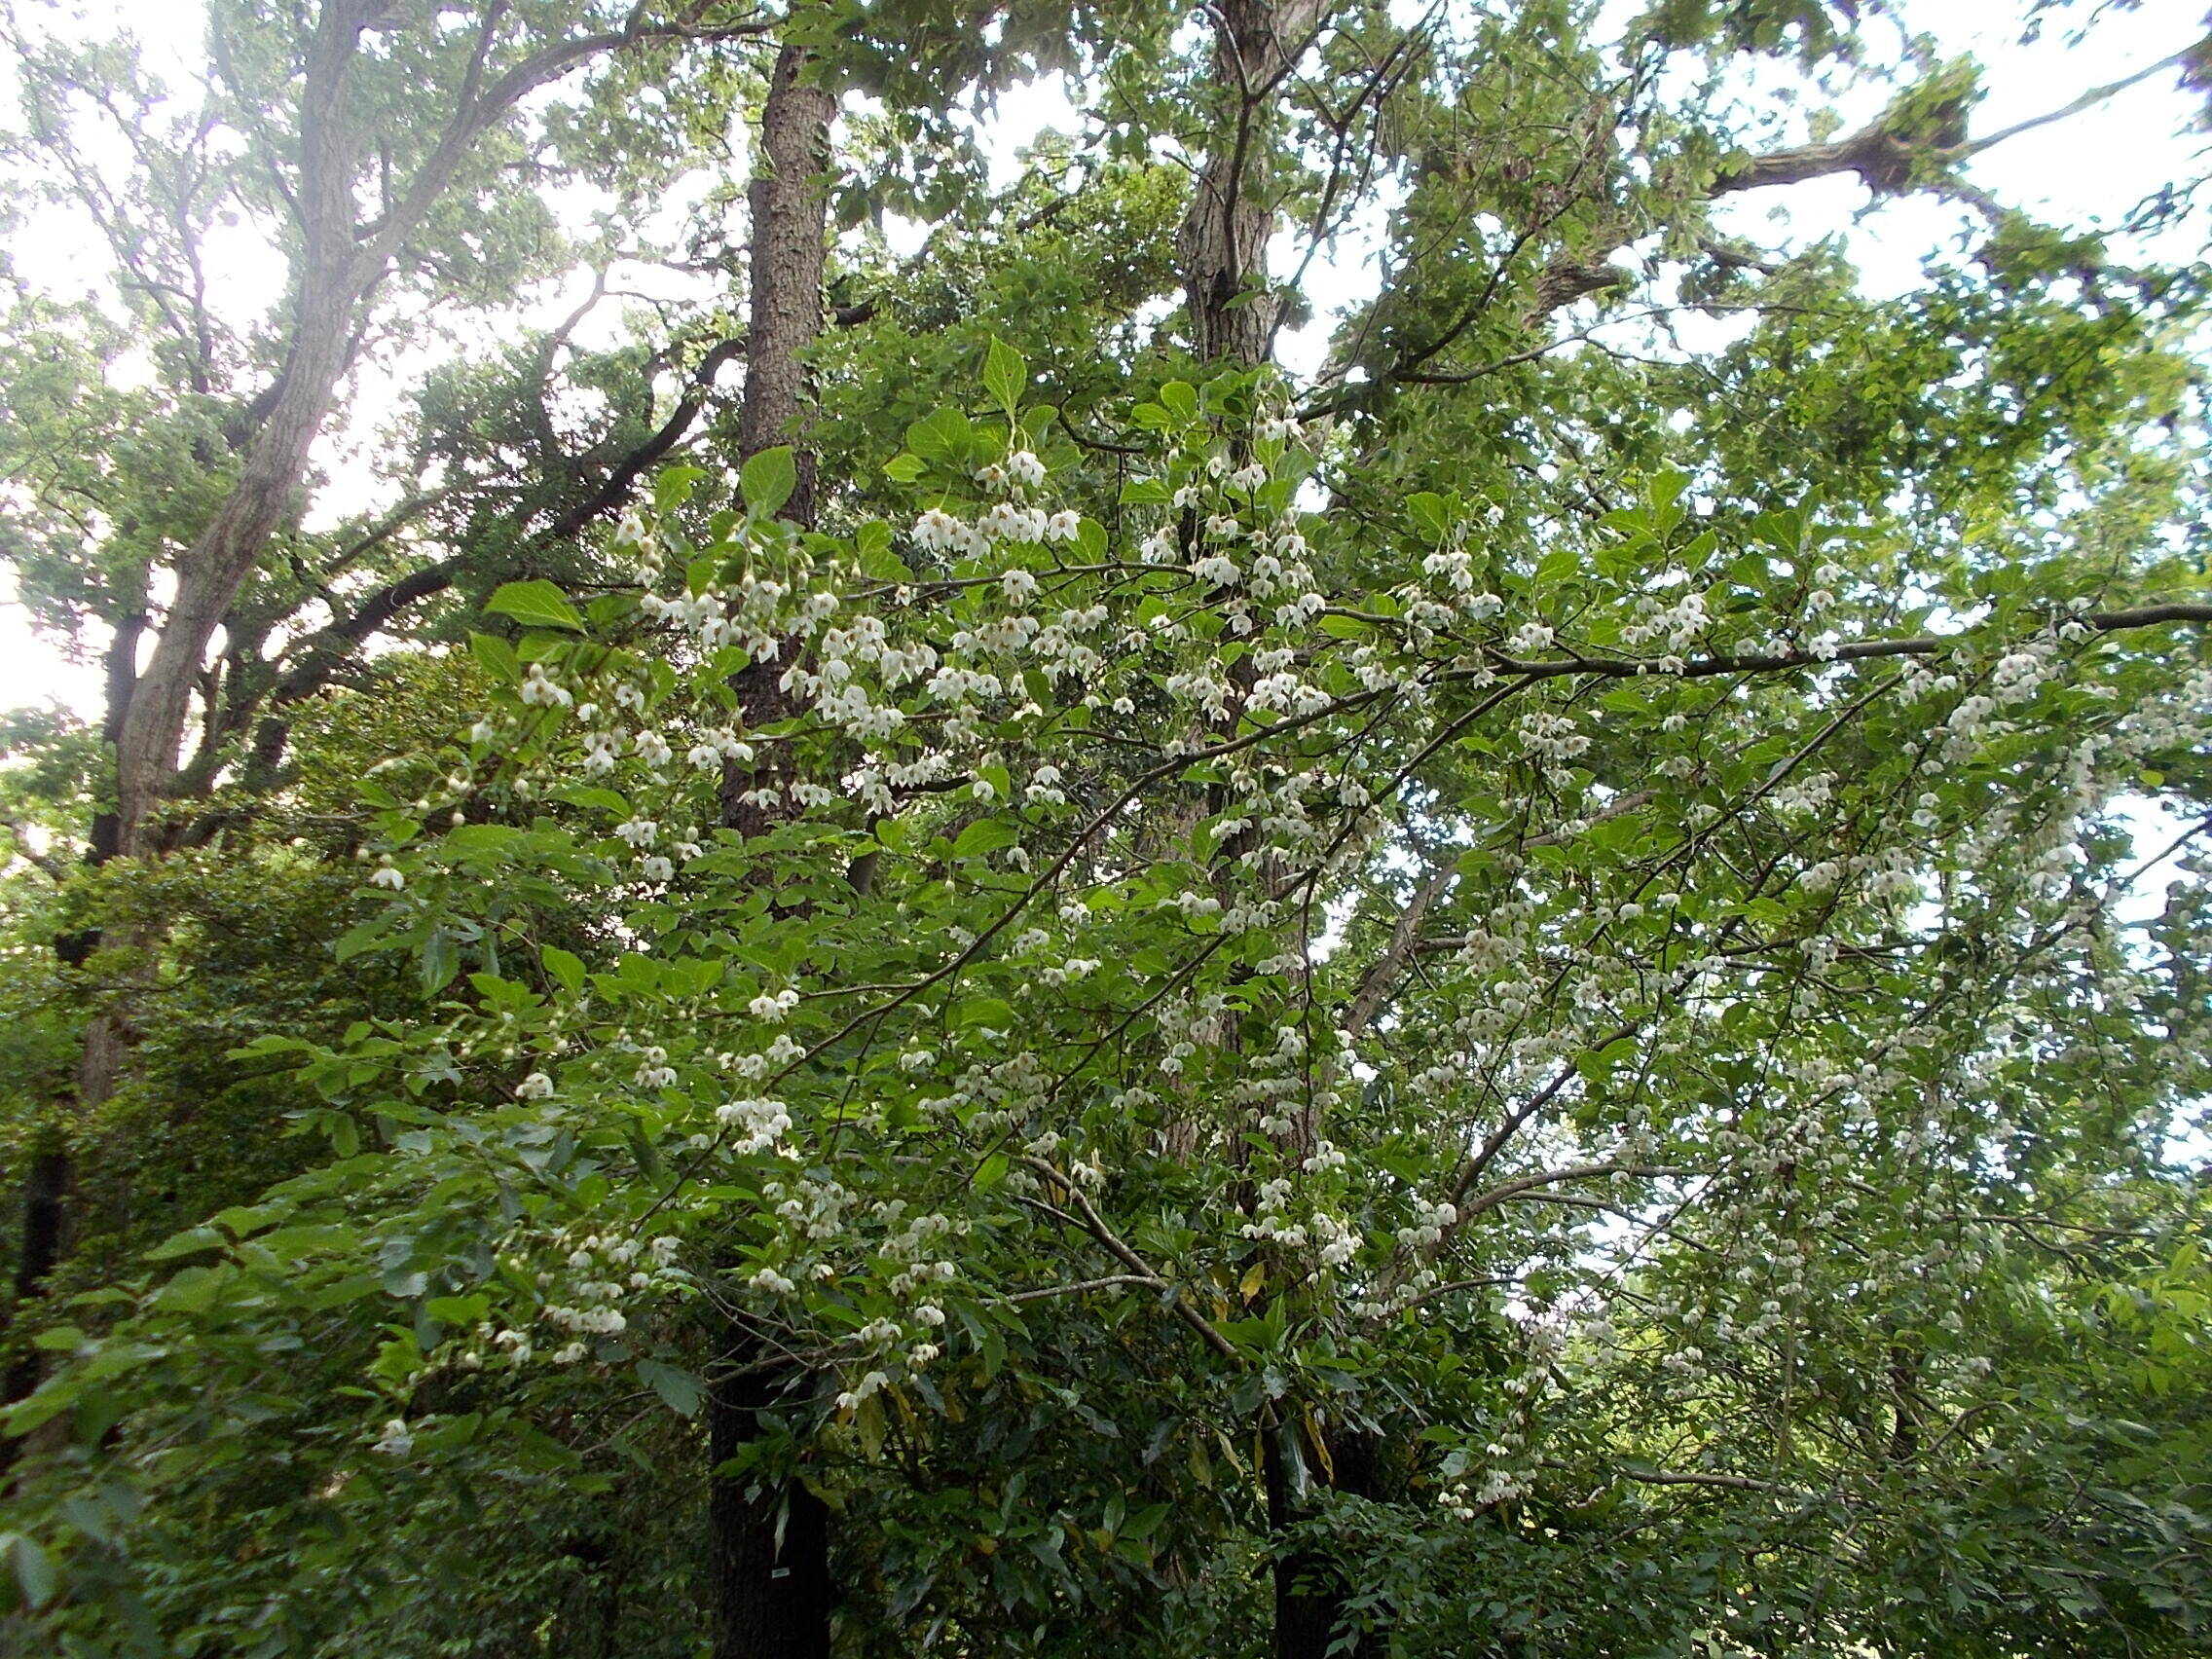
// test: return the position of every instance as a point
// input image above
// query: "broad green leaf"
(537, 603)
(1006, 374)
(768, 480)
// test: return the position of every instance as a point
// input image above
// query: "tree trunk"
(1222, 244)
(1222, 247)
(1310, 1591)
(45, 1227)
(789, 211)
(768, 1557)
(333, 275)
(769, 1562)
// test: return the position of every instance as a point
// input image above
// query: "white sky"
(2085, 172)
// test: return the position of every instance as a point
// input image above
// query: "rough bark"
(788, 208)
(1222, 244)
(332, 277)
(769, 1547)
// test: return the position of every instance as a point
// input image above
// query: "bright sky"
(2085, 172)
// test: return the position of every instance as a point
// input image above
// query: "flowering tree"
(1247, 1012)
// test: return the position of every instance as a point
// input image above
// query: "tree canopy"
(908, 953)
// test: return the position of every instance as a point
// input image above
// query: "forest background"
(962, 828)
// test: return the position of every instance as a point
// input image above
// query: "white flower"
(535, 1087)
(773, 1009)
(985, 790)
(396, 1442)
(638, 832)
(384, 875)
(1019, 585)
(1025, 468)
(1063, 527)
(655, 867)
(542, 692)
(480, 732)
(653, 749)
(934, 530)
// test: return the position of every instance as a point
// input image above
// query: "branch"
(1520, 1184)
(1730, 1482)
(1375, 986)
(1112, 1282)
(2181, 60)
(1857, 650)
(614, 489)
(1138, 1267)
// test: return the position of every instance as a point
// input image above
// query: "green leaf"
(34, 1570)
(943, 436)
(189, 1243)
(441, 960)
(984, 836)
(679, 1390)
(590, 795)
(905, 468)
(673, 488)
(536, 604)
(872, 548)
(565, 966)
(1006, 374)
(498, 657)
(768, 480)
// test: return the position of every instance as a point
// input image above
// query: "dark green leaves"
(679, 1390)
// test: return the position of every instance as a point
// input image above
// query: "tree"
(1236, 1014)
(192, 479)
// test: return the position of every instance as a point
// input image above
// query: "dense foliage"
(1493, 1001)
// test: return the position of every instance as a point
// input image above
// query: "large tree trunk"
(789, 209)
(1222, 247)
(768, 1573)
(1222, 244)
(332, 275)
(53, 1174)
(768, 1561)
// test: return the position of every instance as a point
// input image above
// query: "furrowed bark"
(1222, 244)
(769, 1540)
